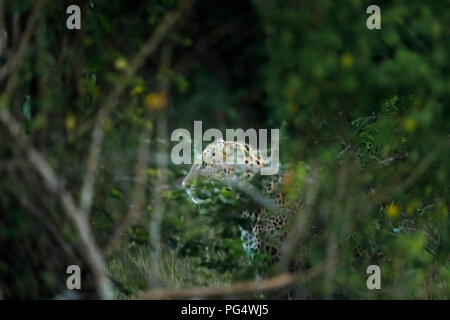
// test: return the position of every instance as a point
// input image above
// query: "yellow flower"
(392, 211)
(71, 122)
(409, 124)
(347, 60)
(156, 101)
(121, 64)
(137, 90)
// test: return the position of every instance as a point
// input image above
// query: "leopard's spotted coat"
(268, 224)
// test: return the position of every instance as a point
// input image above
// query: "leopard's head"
(223, 160)
(211, 155)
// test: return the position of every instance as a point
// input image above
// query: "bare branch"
(138, 195)
(13, 65)
(420, 170)
(79, 216)
(254, 193)
(51, 181)
(157, 213)
(302, 219)
(44, 220)
(277, 282)
(113, 99)
(3, 34)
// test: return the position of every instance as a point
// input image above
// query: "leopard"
(270, 212)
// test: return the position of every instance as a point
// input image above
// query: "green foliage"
(364, 117)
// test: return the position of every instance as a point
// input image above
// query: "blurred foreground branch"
(154, 275)
(277, 282)
(138, 196)
(112, 100)
(11, 67)
(52, 183)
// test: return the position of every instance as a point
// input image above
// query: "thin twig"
(302, 219)
(158, 208)
(13, 64)
(3, 33)
(138, 195)
(412, 178)
(162, 157)
(277, 282)
(46, 222)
